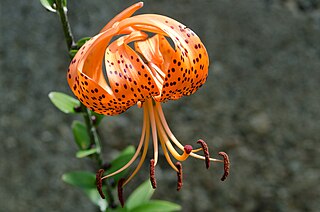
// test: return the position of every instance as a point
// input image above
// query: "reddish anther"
(180, 176)
(152, 174)
(99, 182)
(205, 152)
(226, 166)
(188, 149)
(120, 191)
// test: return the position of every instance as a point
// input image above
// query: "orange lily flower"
(141, 67)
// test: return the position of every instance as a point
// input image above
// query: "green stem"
(93, 134)
(62, 11)
(92, 131)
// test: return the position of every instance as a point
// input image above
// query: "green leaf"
(64, 102)
(139, 196)
(73, 53)
(95, 197)
(85, 153)
(49, 5)
(118, 209)
(123, 158)
(80, 134)
(156, 206)
(82, 41)
(64, 3)
(80, 179)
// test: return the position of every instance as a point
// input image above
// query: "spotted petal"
(188, 65)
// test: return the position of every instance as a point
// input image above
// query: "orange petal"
(150, 50)
(86, 79)
(188, 65)
(130, 78)
(123, 15)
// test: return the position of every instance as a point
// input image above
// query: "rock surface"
(261, 104)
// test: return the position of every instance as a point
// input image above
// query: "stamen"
(145, 131)
(164, 138)
(120, 191)
(197, 150)
(165, 152)
(99, 182)
(143, 156)
(153, 130)
(152, 174)
(175, 140)
(226, 165)
(205, 152)
(179, 174)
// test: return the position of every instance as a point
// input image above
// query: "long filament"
(154, 131)
(167, 142)
(166, 154)
(145, 128)
(173, 138)
(144, 153)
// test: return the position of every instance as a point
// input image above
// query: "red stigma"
(188, 149)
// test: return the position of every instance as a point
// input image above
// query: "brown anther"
(180, 176)
(99, 182)
(205, 152)
(226, 165)
(188, 149)
(152, 174)
(120, 191)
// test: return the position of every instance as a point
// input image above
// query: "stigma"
(155, 128)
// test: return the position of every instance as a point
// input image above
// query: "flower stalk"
(92, 131)
(62, 12)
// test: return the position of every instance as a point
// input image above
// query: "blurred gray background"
(260, 104)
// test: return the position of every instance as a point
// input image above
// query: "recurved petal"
(187, 68)
(123, 15)
(130, 78)
(85, 77)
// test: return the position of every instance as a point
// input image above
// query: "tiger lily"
(145, 73)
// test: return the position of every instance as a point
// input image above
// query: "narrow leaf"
(64, 102)
(156, 206)
(85, 153)
(123, 158)
(95, 198)
(141, 195)
(82, 41)
(80, 179)
(73, 53)
(49, 5)
(64, 3)
(80, 134)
